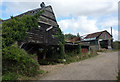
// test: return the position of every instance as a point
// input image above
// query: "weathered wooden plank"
(47, 21)
(49, 15)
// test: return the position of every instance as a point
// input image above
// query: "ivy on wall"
(15, 60)
(15, 28)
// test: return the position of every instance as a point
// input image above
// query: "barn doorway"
(104, 44)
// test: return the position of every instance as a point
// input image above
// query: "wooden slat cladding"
(47, 28)
(49, 15)
(47, 21)
(50, 34)
(35, 35)
(105, 36)
(48, 8)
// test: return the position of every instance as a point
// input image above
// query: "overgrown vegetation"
(69, 36)
(74, 57)
(62, 51)
(15, 29)
(60, 36)
(16, 61)
(116, 45)
(118, 77)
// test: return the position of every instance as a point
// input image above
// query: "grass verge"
(70, 57)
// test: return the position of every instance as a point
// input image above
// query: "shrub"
(15, 28)
(17, 60)
(62, 52)
(79, 49)
(116, 45)
(74, 57)
(10, 76)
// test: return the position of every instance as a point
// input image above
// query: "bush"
(18, 61)
(116, 45)
(15, 59)
(10, 76)
(62, 52)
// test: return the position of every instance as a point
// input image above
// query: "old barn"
(73, 43)
(99, 40)
(43, 37)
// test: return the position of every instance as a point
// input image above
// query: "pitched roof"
(75, 39)
(46, 17)
(95, 35)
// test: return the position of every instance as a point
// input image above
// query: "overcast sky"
(73, 16)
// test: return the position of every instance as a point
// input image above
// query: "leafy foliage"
(10, 76)
(69, 36)
(60, 36)
(15, 29)
(17, 60)
(116, 45)
(62, 52)
(73, 57)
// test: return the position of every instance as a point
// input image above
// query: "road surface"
(101, 67)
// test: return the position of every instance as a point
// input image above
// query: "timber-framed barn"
(47, 27)
(41, 38)
(99, 40)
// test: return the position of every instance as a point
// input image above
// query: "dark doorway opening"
(104, 44)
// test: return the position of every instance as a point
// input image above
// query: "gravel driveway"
(101, 67)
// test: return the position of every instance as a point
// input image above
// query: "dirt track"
(101, 67)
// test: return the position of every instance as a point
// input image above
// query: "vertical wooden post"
(99, 45)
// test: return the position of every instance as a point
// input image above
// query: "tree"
(69, 36)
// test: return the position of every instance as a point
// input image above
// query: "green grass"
(71, 57)
(40, 72)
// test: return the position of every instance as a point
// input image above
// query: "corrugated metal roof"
(75, 39)
(93, 35)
